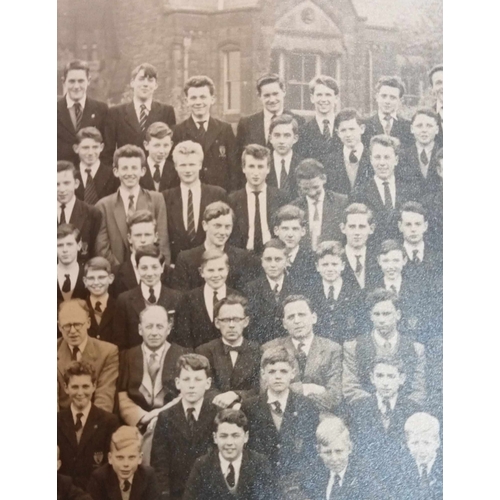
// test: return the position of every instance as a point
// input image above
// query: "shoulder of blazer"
(97, 104)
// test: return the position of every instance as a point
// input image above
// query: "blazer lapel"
(131, 118)
(77, 214)
(113, 485)
(91, 425)
(90, 353)
(63, 114)
(177, 209)
(154, 114)
(68, 427)
(179, 421)
(121, 217)
(313, 358)
(63, 357)
(261, 134)
(107, 315)
(136, 300)
(213, 131)
(138, 485)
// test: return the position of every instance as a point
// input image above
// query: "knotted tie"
(276, 291)
(190, 418)
(394, 289)
(67, 284)
(156, 175)
(62, 219)
(126, 485)
(152, 296)
(387, 124)
(388, 409)
(424, 478)
(190, 217)
(334, 493)
(331, 296)
(257, 238)
(326, 129)
(387, 195)
(78, 115)
(216, 299)
(131, 207)
(143, 117)
(201, 130)
(78, 423)
(231, 477)
(98, 307)
(416, 258)
(301, 358)
(153, 366)
(359, 266)
(353, 158)
(90, 194)
(74, 354)
(424, 158)
(276, 407)
(283, 175)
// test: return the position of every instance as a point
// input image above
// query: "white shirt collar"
(380, 404)
(70, 103)
(331, 121)
(279, 282)
(147, 351)
(195, 187)
(138, 104)
(380, 182)
(103, 300)
(320, 200)
(125, 193)
(249, 189)
(428, 149)
(85, 412)
(268, 116)
(429, 466)
(122, 482)
(197, 407)
(396, 282)
(380, 341)
(288, 157)
(205, 121)
(152, 164)
(381, 116)
(419, 246)
(72, 269)
(307, 343)
(281, 398)
(331, 481)
(93, 169)
(156, 289)
(293, 254)
(352, 252)
(69, 207)
(224, 464)
(358, 150)
(337, 286)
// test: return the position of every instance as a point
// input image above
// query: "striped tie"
(78, 115)
(90, 194)
(190, 218)
(143, 117)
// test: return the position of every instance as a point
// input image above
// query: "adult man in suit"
(185, 204)
(76, 345)
(220, 160)
(324, 209)
(127, 123)
(254, 129)
(218, 223)
(436, 81)
(255, 204)
(76, 212)
(150, 265)
(388, 93)
(83, 430)
(319, 359)
(235, 361)
(112, 242)
(233, 473)
(76, 110)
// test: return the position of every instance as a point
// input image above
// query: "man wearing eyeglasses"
(235, 361)
(76, 345)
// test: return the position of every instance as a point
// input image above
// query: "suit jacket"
(79, 460)
(79, 292)
(94, 115)
(220, 163)
(104, 180)
(66, 490)
(177, 232)
(338, 180)
(238, 200)
(401, 129)
(105, 485)
(290, 189)
(323, 367)
(131, 380)
(372, 271)
(122, 125)
(176, 448)
(128, 308)
(243, 378)
(243, 267)
(112, 242)
(433, 202)
(103, 356)
(303, 267)
(103, 330)
(168, 180)
(409, 480)
(334, 205)
(206, 480)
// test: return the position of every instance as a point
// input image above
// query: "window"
(231, 76)
(300, 69)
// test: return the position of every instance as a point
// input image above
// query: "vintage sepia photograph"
(249, 250)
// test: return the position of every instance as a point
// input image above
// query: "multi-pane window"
(231, 76)
(300, 69)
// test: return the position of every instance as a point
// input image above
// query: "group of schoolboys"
(262, 311)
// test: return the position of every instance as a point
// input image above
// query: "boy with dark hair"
(220, 162)
(184, 432)
(436, 81)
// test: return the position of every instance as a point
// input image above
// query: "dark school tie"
(424, 158)
(143, 117)
(78, 423)
(231, 477)
(276, 408)
(190, 418)
(387, 195)
(67, 284)
(359, 266)
(353, 159)
(216, 299)
(335, 491)
(276, 291)
(387, 405)
(257, 236)
(62, 219)
(74, 354)
(387, 125)
(90, 194)
(126, 485)
(326, 129)
(191, 230)
(78, 115)
(331, 295)
(97, 307)
(156, 175)
(424, 479)
(301, 358)
(283, 175)
(394, 289)
(131, 207)
(152, 296)
(416, 258)
(201, 130)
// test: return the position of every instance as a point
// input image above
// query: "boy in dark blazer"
(220, 161)
(436, 81)
(124, 476)
(253, 227)
(234, 472)
(127, 123)
(186, 203)
(83, 430)
(184, 432)
(76, 110)
(235, 361)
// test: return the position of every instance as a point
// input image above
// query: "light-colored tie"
(153, 366)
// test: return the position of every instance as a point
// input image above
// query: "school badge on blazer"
(222, 151)
(85, 249)
(298, 444)
(412, 322)
(98, 457)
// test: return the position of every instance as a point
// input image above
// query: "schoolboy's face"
(150, 270)
(76, 84)
(88, 150)
(215, 272)
(192, 385)
(143, 86)
(385, 317)
(384, 161)
(274, 262)
(290, 232)
(312, 188)
(125, 461)
(67, 249)
(188, 168)
(142, 234)
(350, 132)
(272, 97)
(255, 170)
(357, 230)
(278, 376)
(335, 456)
(218, 230)
(154, 328)
(388, 99)
(158, 149)
(230, 439)
(80, 390)
(66, 186)
(129, 171)
(423, 445)
(437, 85)
(97, 281)
(298, 319)
(387, 380)
(413, 226)
(330, 267)
(199, 101)
(72, 314)
(392, 263)
(324, 99)
(425, 129)
(231, 321)
(283, 138)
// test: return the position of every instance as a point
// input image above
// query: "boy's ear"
(209, 383)
(101, 147)
(77, 183)
(247, 435)
(75, 148)
(342, 227)
(141, 456)
(400, 226)
(143, 171)
(115, 172)
(177, 383)
(111, 278)
(363, 128)
(372, 379)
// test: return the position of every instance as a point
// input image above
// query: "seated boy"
(96, 180)
(282, 423)
(97, 277)
(196, 315)
(150, 265)
(184, 432)
(128, 166)
(235, 361)
(124, 477)
(83, 430)
(160, 173)
(233, 471)
(324, 209)
(71, 210)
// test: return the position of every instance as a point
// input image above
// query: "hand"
(226, 399)
(313, 389)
